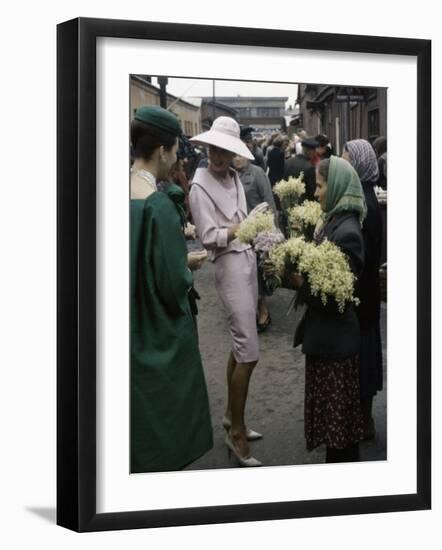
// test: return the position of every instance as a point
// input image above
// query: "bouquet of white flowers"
(285, 256)
(289, 191)
(325, 267)
(328, 273)
(303, 219)
(252, 226)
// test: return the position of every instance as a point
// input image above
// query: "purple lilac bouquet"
(263, 244)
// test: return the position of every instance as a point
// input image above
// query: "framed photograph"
(296, 88)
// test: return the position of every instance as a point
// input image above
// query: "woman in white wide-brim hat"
(218, 206)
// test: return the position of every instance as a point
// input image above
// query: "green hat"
(159, 117)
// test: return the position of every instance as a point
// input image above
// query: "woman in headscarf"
(361, 155)
(170, 417)
(218, 206)
(330, 339)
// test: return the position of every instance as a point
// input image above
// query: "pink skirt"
(237, 286)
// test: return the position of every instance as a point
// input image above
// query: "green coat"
(170, 418)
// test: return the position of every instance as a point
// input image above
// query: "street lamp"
(162, 81)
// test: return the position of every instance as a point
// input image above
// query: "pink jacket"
(213, 212)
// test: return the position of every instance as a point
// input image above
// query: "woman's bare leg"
(238, 389)
(263, 310)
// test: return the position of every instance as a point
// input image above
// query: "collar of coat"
(217, 193)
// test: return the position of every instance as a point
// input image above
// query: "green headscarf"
(344, 190)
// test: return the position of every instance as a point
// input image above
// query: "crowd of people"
(206, 187)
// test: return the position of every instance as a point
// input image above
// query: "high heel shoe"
(250, 434)
(248, 461)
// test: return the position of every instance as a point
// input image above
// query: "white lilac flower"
(286, 255)
(289, 191)
(325, 266)
(251, 227)
(303, 218)
(328, 273)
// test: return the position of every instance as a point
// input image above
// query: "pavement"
(275, 405)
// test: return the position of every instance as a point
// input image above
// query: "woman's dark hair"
(146, 138)
(322, 140)
(323, 168)
(278, 141)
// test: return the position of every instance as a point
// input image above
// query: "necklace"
(147, 177)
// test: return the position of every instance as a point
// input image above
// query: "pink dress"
(215, 207)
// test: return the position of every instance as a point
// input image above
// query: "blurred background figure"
(250, 141)
(362, 157)
(380, 147)
(324, 150)
(299, 136)
(275, 161)
(304, 162)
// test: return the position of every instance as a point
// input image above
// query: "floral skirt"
(332, 410)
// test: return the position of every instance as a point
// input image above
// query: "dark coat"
(170, 417)
(275, 164)
(257, 187)
(300, 163)
(369, 285)
(324, 331)
(259, 157)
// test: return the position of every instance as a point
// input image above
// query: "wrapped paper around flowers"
(325, 267)
(303, 219)
(290, 191)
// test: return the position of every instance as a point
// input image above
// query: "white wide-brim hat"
(225, 134)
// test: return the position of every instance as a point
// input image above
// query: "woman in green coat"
(170, 418)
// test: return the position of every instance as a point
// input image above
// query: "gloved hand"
(259, 209)
(190, 231)
(195, 259)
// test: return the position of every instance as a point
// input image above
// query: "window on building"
(373, 123)
(268, 111)
(243, 111)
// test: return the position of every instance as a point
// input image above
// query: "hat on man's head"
(310, 143)
(160, 118)
(322, 140)
(246, 133)
(225, 134)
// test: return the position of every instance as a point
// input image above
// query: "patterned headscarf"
(363, 159)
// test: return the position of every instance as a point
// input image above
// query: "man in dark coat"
(247, 137)
(276, 161)
(303, 163)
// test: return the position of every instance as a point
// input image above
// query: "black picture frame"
(76, 274)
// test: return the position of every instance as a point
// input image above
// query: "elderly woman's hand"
(297, 279)
(268, 269)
